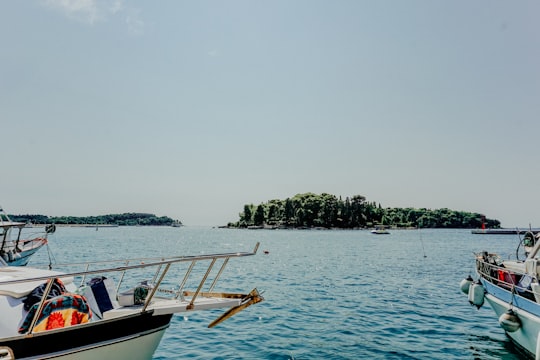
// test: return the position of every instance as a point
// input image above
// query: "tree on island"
(310, 210)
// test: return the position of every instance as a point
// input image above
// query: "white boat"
(380, 231)
(512, 289)
(106, 310)
(177, 223)
(14, 250)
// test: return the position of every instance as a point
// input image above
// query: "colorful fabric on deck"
(35, 296)
(58, 312)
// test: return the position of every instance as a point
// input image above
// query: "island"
(125, 219)
(309, 210)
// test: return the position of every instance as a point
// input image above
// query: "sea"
(329, 294)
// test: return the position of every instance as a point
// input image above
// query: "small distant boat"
(512, 289)
(177, 223)
(14, 250)
(380, 231)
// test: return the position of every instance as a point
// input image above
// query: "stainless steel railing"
(162, 266)
(504, 277)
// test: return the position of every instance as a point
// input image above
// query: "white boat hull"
(526, 336)
(23, 257)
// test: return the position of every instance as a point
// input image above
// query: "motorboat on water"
(380, 231)
(512, 289)
(15, 250)
(116, 309)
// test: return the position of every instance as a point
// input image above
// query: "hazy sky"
(192, 109)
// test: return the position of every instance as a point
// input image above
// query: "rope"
(51, 256)
(511, 304)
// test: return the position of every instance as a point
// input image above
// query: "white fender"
(465, 283)
(509, 321)
(476, 294)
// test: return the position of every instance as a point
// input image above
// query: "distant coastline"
(110, 220)
(78, 225)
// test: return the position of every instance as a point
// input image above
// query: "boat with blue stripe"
(512, 289)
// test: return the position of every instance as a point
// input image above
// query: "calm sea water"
(329, 294)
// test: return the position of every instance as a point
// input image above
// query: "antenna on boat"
(520, 242)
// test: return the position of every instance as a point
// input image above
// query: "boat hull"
(133, 337)
(24, 257)
(527, 311)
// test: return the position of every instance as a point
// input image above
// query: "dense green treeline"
(111, 219)
(328, 211)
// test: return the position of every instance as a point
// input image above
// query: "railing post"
(121, 278)
(83, 278)
(155, 287)
(192, 303)
(188, 272)
(218, 274)
(156, 274)
(41, 305)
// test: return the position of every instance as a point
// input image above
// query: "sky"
(192, 109)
